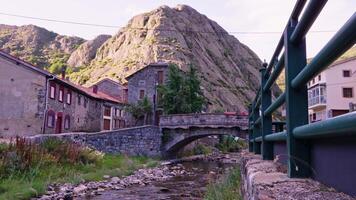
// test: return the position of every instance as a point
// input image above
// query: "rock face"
(86, 51)
(37, 45)
(227, 68)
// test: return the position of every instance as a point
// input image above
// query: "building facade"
(33, 101)
(143, 83)
(332, 92)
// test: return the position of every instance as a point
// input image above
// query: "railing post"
(266, 121)
(296, 105)
(256, 129)
(250, 132)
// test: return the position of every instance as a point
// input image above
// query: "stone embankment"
(267, 180)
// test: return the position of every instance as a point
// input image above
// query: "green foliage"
(142, 109)
(182, 93)
(201, 149)
(228, 188)
(229, 144)
(56, 67)
(30, 168)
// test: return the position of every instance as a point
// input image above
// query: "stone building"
(34, 101)
(143, 83)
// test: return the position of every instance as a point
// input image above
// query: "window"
(142, 94)
(50, 118)
(107, 111)
(142, 82)
(346, 73)
(67, 122)
(347, 92)
(69, 97)
(85, 102)
(160, 77)
(79, 99)
(52, 91)
(60, 95)
(319, 77)
(313, 81)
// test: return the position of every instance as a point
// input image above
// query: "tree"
(142, 109)
(182, 93)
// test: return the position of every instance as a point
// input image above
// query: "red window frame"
(61, 94)
(67, 122)
(52, 87)
(69, 97)
(160, 77)
(50, 124)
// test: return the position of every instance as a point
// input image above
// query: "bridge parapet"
(211, 120)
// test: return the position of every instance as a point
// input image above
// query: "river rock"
(79, 189)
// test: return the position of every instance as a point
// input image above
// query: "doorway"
(59, 123)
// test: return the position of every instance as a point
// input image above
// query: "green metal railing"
(297, 132)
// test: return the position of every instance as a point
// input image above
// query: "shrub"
(229, 144)
(22, 156)
(201, 149)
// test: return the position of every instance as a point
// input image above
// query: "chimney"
(63, 72)
(95, 89)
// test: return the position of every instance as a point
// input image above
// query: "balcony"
(317, 96)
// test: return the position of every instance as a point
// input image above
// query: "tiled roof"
(84, 90)
(159, 64)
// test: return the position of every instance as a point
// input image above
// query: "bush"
(229, 144)
(201, 149)
(22, 156)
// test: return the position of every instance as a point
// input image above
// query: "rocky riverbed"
(177, 179)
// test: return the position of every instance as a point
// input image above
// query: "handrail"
(311, 12)
(276, 104)
(344, 39)
(276, 72)
(280, 136)
(258, 139)
(338, 126)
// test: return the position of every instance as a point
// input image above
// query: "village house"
(143, 83)
(34, 101)
(332, 92)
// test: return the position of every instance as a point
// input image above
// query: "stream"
(189, 185)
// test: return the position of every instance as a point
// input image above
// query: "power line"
(138, 28)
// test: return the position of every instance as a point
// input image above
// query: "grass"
(35, 181)
(228, 188)
(32, 180)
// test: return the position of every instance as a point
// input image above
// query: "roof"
(110, 80)
(343, 61)
(81, 89)
(159, 64)
(24, 63)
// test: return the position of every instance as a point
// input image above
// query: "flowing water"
(191, 185)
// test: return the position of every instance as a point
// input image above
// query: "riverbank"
(28, 169)
(186, 178)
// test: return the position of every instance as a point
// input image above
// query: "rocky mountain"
(86, 51)
(37, 45)
(227, 68)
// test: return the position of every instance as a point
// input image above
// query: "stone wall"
(203, 120)
(267, 180)
(22, 100)
(143, 140)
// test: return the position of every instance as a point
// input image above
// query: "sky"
(233, 15)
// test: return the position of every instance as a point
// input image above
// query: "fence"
(323, 150)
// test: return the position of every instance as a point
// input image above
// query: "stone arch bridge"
(181, 129)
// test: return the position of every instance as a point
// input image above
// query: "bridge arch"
(178, 138)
